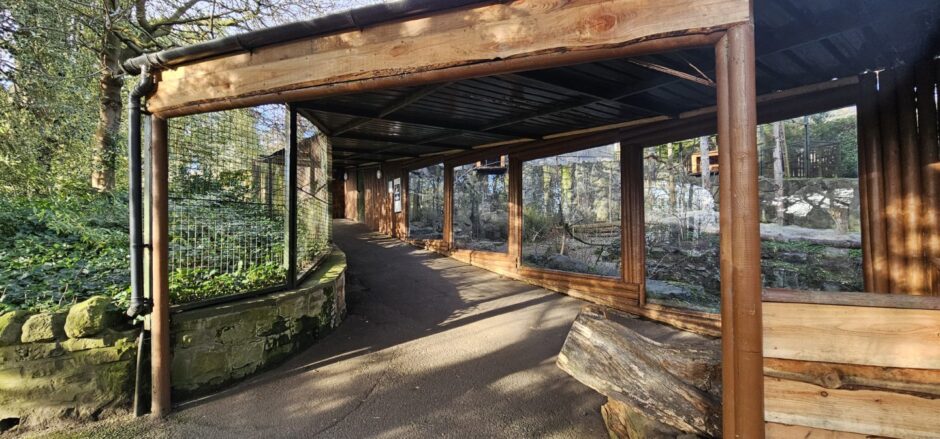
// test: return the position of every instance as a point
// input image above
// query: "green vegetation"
(59, 250)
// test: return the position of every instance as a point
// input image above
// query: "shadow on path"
(431, 347)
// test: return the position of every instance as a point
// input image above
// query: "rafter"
(420, 121)
(395, 106)
(397, 141)
(673, 72)
(367, 151)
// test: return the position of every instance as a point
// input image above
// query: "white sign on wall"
(396, 195)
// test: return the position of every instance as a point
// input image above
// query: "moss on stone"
(11, 325)
(90, 317)
(43, 327)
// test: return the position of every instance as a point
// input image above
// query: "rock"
(90, 317)
(11, 324)
(43, 327)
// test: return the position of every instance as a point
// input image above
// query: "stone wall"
(75, 364)
(220, 344)
(80, 364)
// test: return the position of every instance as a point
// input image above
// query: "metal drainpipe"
(139, 305)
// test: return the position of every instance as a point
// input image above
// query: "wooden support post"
(929, 155)
(745, 216)
(911, 185)
(515, 210)
(160, 318)
(872, 174)
(891, 162)
(448, 226)
(725, 169)
(633, 236)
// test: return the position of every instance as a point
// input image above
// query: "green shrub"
(57, 251)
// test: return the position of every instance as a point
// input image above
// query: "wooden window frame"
(449, 166)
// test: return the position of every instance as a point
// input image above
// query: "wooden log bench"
(660, 382)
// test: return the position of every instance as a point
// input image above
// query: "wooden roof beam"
(446, 46)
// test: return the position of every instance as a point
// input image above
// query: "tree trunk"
(105, 147)
(778, 173)
(662, 374)
(705, 163)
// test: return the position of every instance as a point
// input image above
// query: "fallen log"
(663, 375)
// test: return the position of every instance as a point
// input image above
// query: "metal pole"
(290, 192)
(160, 318)
(746, 245)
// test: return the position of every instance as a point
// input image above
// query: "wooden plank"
(515, 29)
(921, 382)
(858, 411)
(876, 300)
(853, 335)
(783, 431)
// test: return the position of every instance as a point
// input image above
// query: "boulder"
(90, 317)
(43, 327)
(11, 324)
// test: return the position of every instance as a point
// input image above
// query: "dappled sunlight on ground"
(432, 347)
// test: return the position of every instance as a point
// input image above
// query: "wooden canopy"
(511, 72)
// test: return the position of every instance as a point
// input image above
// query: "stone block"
(43, 327)
(90, 317)
(11, 325)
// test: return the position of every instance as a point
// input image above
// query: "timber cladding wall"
(377, 209)
(869, 370)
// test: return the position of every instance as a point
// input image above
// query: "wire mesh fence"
(313, 197)
(226, 202)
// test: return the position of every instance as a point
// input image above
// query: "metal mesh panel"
(313, 197)
(226, 203)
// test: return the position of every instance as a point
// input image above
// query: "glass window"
(481, 205)
(426, 203)
(571, 212)
(681, 215)
(809, 199)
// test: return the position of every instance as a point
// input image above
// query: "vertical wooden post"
(448, 229)
(891, 162)
(911, 186)
(872, 173)
(746, 246)
(929, 155)
(515, 210)
(725, 169)
(160, 318)
(632, 218)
